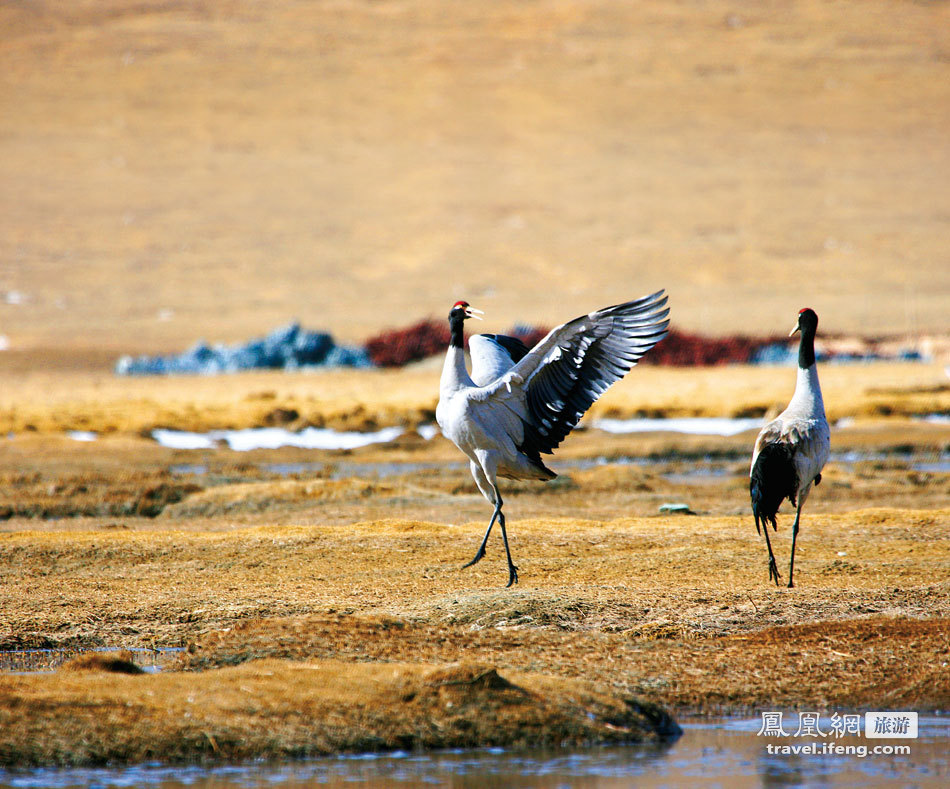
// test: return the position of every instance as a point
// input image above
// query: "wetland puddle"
(689, 470)
(726, 752)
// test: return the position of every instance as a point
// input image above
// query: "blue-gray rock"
(288, 347)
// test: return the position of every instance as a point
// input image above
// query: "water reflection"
(723, 753)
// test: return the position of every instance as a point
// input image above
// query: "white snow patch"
(273, 438)
(711, 426)
(428, 432)
(82, 435)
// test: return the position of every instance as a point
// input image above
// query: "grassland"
(40, 400)
(273, 567)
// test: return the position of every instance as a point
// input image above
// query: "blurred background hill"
(175, 170)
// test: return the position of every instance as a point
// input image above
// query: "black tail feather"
(773, 480)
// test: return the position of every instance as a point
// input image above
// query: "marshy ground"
(269, 567)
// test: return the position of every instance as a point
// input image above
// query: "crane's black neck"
(457, 328)
(806, 347)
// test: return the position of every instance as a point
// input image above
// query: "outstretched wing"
(493, 355)
(562, 376)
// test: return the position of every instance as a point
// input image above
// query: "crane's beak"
(792, 332)
(471, 312)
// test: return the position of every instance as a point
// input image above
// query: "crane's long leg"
(773, 567)
(480, 553)
(791, 563)
(488, 490)
(485, 479)
(512, 570)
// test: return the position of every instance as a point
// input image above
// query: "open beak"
(792, 332)
(471, 312)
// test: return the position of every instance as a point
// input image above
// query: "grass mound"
(114, 663)
(279, 709)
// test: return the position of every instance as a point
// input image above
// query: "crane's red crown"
(462, 304)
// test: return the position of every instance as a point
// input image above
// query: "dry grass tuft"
(854, 662)
(279, 709)
(121, 662)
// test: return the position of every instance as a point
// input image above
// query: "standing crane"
(519, 403)
(792, 449)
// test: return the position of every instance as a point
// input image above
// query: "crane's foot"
(478, 557)
(791, 585)
(773, 572)
(512, 575)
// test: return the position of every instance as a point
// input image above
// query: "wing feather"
(567, 371)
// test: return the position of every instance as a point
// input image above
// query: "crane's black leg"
(773, 568)
(512, 570)
(480, 553)
(791, 563)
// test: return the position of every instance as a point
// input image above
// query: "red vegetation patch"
(397, 347)
(681, 349)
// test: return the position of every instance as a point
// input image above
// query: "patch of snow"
(428, 432)
(274, 437)
(706, 426)
(82, 435)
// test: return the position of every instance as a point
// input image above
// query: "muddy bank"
(282, 709)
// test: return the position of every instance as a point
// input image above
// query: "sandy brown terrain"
(213, 169)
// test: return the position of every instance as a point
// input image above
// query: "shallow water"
(698, 470)
(723, 753)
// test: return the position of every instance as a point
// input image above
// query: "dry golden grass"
(275, 709)
(851, 663)
(121, 662)
(351, 636)
(336, 564)
(41, 401)
(212, 169)
(158, 586)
